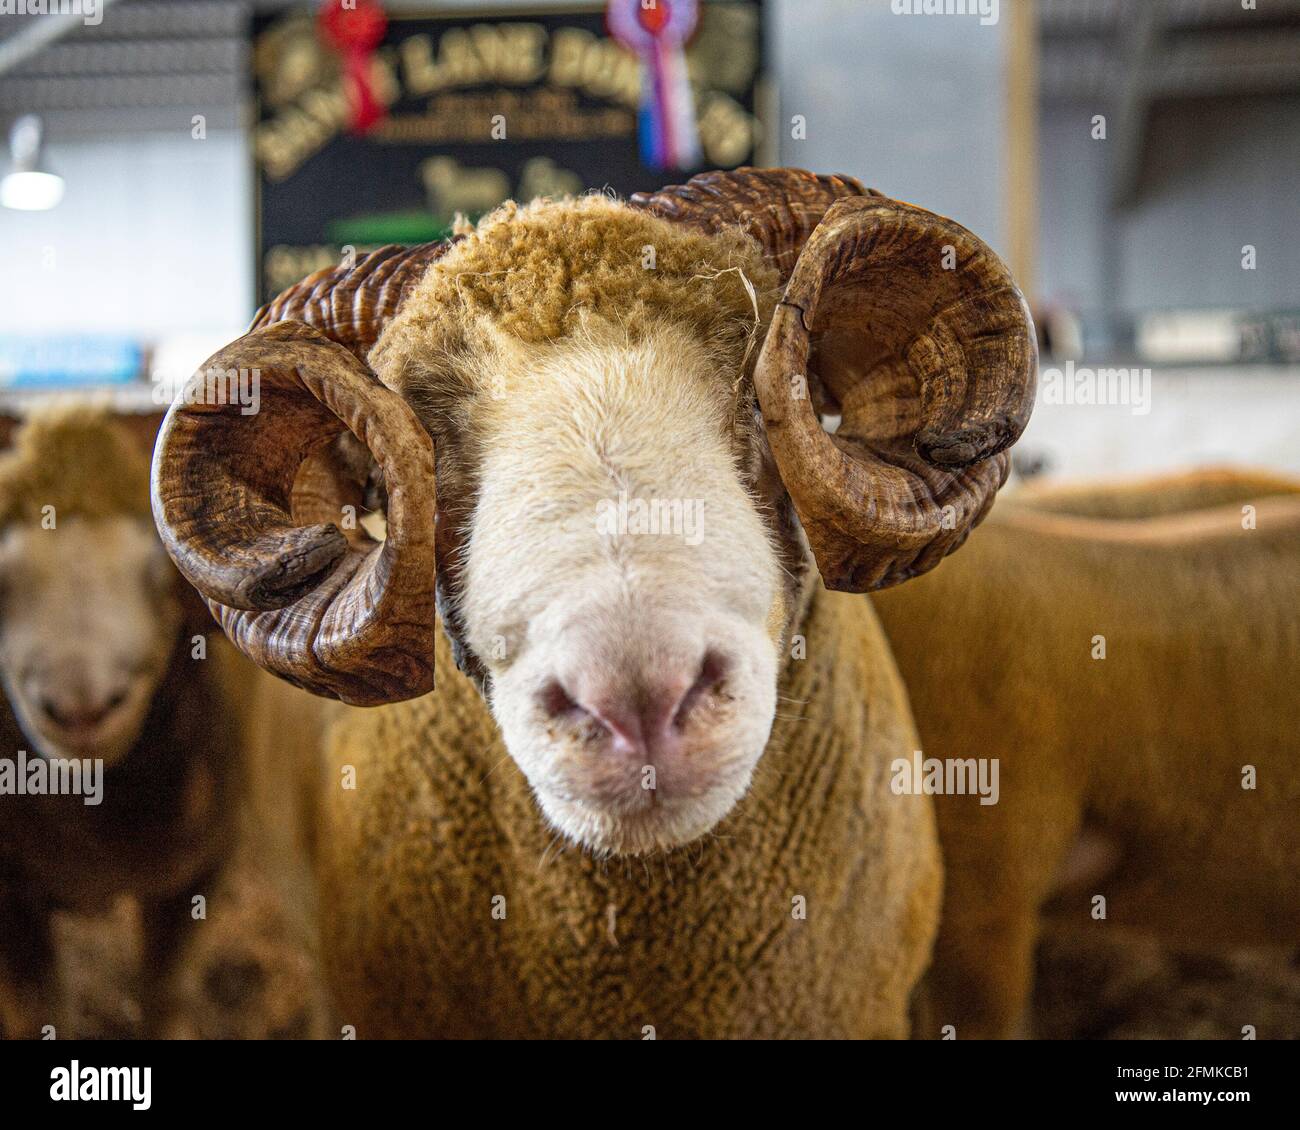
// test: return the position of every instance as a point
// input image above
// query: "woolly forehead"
(79, 462)
(598, 407)
(590, 271)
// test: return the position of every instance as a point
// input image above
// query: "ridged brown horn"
(916, 329)
(352, 620)
(780, 208)
(352, 304)
(907, 325)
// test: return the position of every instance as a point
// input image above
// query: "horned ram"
(119, 719)
(653, 799)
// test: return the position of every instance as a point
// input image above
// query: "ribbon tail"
(681, 103)
(367, 111)
(674, 105)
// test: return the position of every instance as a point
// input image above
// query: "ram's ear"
(8, 425)
(331, 487)
(143, 427)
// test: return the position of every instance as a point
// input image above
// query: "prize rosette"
(657, 30)
(355, 29)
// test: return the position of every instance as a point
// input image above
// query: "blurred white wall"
(1246, 415)
(1218, 174)
(912, 105)
(154, 237)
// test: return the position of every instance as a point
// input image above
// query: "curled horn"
(913, 330)
(248, 505)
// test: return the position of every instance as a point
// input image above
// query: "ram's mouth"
(77, 739)
(107, 737)
(643, 821)
(85, 740)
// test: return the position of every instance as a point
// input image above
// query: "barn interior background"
(1135, 164)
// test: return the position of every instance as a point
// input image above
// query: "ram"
(621, 835)
(1128, 654)
(97, 655)
(1151, 496)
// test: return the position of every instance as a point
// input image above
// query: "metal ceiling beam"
(1144, 25)
(195, 92)
(1218, 64)
(37, 35)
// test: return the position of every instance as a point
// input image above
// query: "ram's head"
(622, 405)
(90, 608)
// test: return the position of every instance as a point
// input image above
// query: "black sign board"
(481, 107)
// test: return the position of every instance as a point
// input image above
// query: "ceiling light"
(29, 186)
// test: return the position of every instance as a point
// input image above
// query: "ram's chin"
(109, 741)
(642, 829)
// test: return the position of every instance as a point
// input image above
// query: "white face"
(88, 618)
(623, 592)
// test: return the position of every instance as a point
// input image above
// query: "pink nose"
(77, 708)
(644, 716)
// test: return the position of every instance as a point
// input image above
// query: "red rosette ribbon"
(355, 28)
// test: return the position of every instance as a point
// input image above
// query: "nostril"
(713, 671)
(714, 668)
(51, 711)
(638, 716)
(557, 702)
(78, 717)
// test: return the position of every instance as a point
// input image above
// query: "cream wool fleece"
(75, 457)
(540, 272)
(464, 917)
(1145, 748)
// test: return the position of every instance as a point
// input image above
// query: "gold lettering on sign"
(513, 54)
(285, 141)
(534, 115)
(551, 70)
(599, 67)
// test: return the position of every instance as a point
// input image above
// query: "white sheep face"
(88, 618)
(623, 589)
